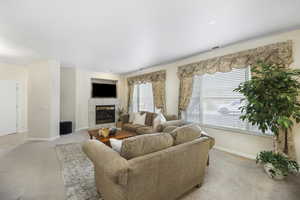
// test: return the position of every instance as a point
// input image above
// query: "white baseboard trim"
(22, 130)
(82, 128)
(42, 139)
(249, 156)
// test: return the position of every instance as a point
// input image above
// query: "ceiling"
(121, 36)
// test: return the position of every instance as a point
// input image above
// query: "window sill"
(235, 130)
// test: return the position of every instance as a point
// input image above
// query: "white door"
(8, 107)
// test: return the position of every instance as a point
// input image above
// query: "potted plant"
(120, 112)
(277, 165)
(272, 104)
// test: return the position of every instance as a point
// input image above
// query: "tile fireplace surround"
(92, 111)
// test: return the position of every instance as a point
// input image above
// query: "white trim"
(7, 133)
(236, 130)
(42, 139)
(249, 156)
(22, 130)
(82, 128)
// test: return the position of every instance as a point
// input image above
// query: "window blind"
(214, 102)
(143, 98)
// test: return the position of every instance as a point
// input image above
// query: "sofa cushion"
(169, 129)
(132, 127)
(145, 144)
(145, 130)
(186, 133)
(177, 123)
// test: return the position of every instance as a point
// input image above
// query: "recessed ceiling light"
(212, 22)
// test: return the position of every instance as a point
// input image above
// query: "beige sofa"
(150, 167)
(143, 129)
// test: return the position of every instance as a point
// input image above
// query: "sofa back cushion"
(162, 126)
(145, 144)
(186, 133)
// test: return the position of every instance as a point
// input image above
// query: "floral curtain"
(130, 97)
(149, 77)
(159, 95)
(280, 53)
(158, 80)
(185, 93)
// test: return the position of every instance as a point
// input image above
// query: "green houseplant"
(277, 165)
(271, 102)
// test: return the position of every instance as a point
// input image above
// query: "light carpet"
(227, 178)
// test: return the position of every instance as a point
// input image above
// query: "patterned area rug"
(78, 173)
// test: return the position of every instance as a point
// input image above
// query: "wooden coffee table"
(120, 135)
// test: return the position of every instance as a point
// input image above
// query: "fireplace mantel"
(93, 102)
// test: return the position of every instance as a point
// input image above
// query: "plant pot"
(277, 174)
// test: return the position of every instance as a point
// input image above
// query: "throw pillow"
(132, 116)
(186, 133)
(116, 144)
(156, 122)
(162, 118)
(139, 119)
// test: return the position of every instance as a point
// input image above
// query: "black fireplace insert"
(105, 114)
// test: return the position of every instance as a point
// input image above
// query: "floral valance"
(149, 77)
(279, 53)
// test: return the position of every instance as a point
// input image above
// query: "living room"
(104, 109)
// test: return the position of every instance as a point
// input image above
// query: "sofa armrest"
(108, 161)
(171, 117)
(125, 118)
(211, 139)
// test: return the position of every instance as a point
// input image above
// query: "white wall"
(17, 73)
(68, 95)
(83, 93)
(247, 145)
(43, 100)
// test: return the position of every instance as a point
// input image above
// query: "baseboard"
(249, 156)
(22, 130)
(42, 139)
(82, 128)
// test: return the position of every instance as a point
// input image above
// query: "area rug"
(78, 173)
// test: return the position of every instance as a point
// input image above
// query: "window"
(143, 98)
(214, 103)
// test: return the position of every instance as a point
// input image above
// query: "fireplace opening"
(105, 114)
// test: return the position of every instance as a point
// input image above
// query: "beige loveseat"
(150, 167)
(143, 129)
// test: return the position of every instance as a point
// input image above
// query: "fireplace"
(105, 114)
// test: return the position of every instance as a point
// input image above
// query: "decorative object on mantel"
(158, 80)
(120, 112)
(272, 104)
(280, 53)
